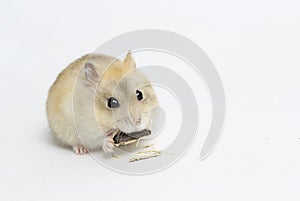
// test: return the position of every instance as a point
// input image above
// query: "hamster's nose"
(138, 120)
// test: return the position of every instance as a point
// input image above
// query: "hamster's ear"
(90, 72)
(129, 61)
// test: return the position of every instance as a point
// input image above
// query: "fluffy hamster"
(96, 97)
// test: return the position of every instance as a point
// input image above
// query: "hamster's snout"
(132, 124)
(137, 121)
(134, 120)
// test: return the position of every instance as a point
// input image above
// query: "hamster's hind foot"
(80, 149)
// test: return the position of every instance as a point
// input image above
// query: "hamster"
(95, 98)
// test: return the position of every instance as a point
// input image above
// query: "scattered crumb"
(148, 151)
(137, 143)
(141, 155)
(149, 145)
(115, 156)
(145, 155)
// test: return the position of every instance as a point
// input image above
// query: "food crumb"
(145, 155)
(149, 145)
(115, 156)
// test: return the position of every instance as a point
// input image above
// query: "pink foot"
(80, 149)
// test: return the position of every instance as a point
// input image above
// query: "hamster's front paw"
(108, 145)
(80, 149)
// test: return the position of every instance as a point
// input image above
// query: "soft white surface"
(255, 46)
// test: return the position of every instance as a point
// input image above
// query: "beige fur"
(77, 108)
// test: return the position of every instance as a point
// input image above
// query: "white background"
(255, 47)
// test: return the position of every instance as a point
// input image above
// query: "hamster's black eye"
(139, 95)
(112, 102)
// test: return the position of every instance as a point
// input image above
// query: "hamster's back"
(59, 101)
